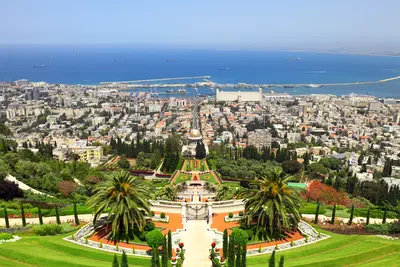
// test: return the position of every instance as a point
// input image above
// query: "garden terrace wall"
(227, 206)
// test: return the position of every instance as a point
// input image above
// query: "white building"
(239, 96)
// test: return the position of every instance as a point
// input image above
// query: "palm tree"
(126, 198)
(210, 187)
(273, 204)
(224, 192)
(168, 192)
(181, 187)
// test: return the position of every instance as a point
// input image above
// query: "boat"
(222, 69)
(170, 91)
(314, 85)
(38, 67)
(288, 86)
(294, 58)
(182, 91)
(172, 60)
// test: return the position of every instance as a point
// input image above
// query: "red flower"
(178, 249)
(173, 259)
(181, 244)
(213, 244)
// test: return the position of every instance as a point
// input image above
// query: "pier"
(160, 79)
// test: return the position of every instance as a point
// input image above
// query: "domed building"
(192, 140)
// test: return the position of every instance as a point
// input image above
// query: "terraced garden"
(339, 250)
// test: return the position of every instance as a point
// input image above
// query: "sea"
(90, 65)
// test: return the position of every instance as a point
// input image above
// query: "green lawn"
(339, 250)
(52, 251)
(208, 177)
(182, 177)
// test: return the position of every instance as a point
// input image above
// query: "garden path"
(197, 240)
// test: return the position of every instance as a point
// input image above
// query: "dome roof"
(195, 133)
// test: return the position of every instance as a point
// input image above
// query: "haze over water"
(91, 65)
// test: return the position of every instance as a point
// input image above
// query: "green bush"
(230, 215)
(395, 229)
(5, 236)
(149, 226)
(47, 229)
(241, 213)
(162, 215)
(381, 229)
(154, 238)
(375, 213)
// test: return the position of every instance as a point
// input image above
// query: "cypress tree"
(6, 218)
(164, 257)
(384, 216)
(244, 255)
(76, 214)
(271, 262)
(238, 254)
(225, 244)
(57, 216)
(23, 215)
(115, 262)
(351, 215)
(124, 260)
(169, 245)
(316, 214)
(40, 215)
(333, 214)
(368, 215)
(231, 251)
(282, 261)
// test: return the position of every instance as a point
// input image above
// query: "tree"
(272, 204)
(23, 215)
(123, 163)
(225, 244)
(231, 251)
(271, 262)
(316, 213)
(115, 262)
(58, 216)
(333, 214)
(351, 215)
(6, 217)
(224, 192)
(164, 257)
(124, 260)
(168, 192)
(200, 150)
(9, 190)
(291, 166)
(67, 187)
(76, 218)
(169, 244)
(282, 261)
(368, 215)
(40, 215)
(126, 198)
(384, 216)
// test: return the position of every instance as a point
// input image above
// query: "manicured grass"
(339, 250)
(182, 178)
(53, 251)
(208, 177)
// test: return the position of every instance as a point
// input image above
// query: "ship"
(172, 60)
(314, 85)
(170, 91)
(294, 58)
(222, 69)
(288, 86)
(38, 67)
(182, 91)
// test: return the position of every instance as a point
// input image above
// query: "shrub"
(162, 215)
(382, 229)
(241, 213)
(152, 213)
(149, 226)
(154, 238)
(47, 229)
(5, 236)
(230, 215)
(101, 244)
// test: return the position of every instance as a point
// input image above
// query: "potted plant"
(173, 261)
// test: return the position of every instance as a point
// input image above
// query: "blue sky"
(204, 23)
